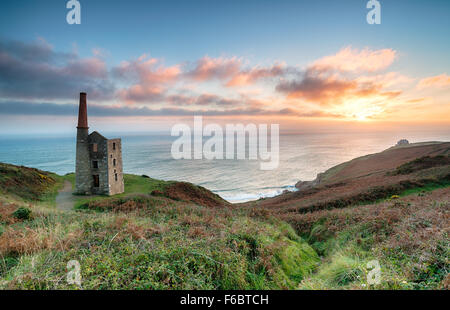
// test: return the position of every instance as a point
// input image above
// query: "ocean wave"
(244, 197)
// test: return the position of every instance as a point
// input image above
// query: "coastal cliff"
(390, 207)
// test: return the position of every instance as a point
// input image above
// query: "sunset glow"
(232, 153)
(365, 78)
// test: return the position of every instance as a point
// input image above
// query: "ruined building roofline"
(96, 133)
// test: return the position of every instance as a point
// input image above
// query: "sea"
(301, 157)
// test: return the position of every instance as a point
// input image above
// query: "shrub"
(421, 163)
(22, 213)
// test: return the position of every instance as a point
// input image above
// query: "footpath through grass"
(407, 236)
(141, 241)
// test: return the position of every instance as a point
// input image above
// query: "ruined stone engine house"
(98, 159)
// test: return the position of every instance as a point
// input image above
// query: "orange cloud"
(346, 81)
(149, 76)
(326, 90)
(320, 90)
(210, 68)
(390, 79)
(415, 100)
(147, 70)
(250, 76)
(440, 81)
(353, 60)
(230, 70)
(350, 84)
(141, 93)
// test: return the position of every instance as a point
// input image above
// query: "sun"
(360, 110)
(361, 117)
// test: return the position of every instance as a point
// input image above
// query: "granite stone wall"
(100, 156)
(83, 177)
(116, 184)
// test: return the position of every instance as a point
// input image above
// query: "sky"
(146, 65)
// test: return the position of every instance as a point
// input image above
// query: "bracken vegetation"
(176, 235)
(409, 236)
(422, 163)
(149, 241)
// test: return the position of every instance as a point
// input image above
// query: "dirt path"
(65, 199)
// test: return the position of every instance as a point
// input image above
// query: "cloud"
(208, 68)
(415, 100)
(148, 79)
(202, 100)
(332, 80)
(37, 51)
(230, 70)
(210, 99)
(36, 71)
(87, 67)
(213, 100)
(141, 93)
(49, 74)
(146, 70)
(29, 108)
(389, 79)
(438, 81)
(315, 88)
(252, 75)
(326, 90)
(354, 60)
(350, 84)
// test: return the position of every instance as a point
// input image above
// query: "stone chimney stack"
(82, 112)
(83, 177)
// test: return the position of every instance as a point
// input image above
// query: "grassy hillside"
(150, 241)
(28, 184)
(176, 235)
(366, 179)
(134, 184)
(397, 215)
(408, 236)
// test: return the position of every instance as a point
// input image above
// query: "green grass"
(344, 257)
(134, 184)
(139, 241)
(421, 164)
(138, 184)
(389, 232)
(169, 247)
(431, 186)
(155, 243)
(428, 186)
(29, 184)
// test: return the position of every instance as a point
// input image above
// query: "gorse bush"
(27, 183)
